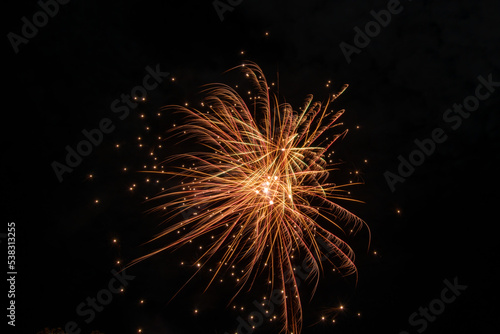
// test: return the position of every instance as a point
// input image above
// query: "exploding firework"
(262, 183)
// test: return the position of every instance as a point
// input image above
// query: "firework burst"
(263, 185)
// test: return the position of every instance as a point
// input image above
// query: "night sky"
(439, 224)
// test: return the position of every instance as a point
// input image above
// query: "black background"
(428, 58)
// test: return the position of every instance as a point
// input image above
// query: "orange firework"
(262, 183)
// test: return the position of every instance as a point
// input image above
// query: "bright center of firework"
(269, 189)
